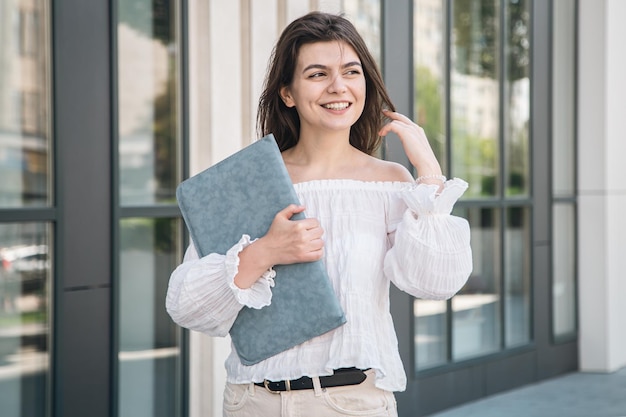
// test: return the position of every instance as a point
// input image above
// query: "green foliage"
(148, 234)
(428, 105)
(153, 18)
(476, 37)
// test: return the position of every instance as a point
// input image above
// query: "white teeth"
(337, 106)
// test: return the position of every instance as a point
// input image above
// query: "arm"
(206, 294)
(430, 255)
(202, 295)
(286, 242)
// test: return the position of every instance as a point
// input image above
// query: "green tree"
(429, 113)
(476, 36)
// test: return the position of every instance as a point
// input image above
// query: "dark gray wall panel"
(82, 134)
(82, 104)
(83, 358)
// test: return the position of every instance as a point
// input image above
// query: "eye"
(316, 75)
(353, 71)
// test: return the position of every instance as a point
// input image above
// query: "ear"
(285, 94)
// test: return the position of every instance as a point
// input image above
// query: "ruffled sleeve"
(202, 295)
(431, 256)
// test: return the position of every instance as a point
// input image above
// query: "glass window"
(475, 95)
(25, 182)
(149, 165)
(476, 318)
(516, 103)
(472, 97)
(25, 134)
(431, 317)
(429, 72)
(365, 16)
(148, 59)
(149, 356)
(564, 270)
(564, 170)
(25, 280)
(431, 333)
(517, 277)
(563, 98)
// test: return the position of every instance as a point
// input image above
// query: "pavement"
(578, 394)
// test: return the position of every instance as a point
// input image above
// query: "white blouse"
(374, 233)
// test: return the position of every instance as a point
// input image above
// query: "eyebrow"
(320, 66)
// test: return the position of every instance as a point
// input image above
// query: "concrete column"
(602, 190)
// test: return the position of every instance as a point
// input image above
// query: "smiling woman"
(285, 124)
(368, 220)
(328, 88)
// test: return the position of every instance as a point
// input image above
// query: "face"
(328, 88)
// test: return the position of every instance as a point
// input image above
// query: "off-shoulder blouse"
(375, 233)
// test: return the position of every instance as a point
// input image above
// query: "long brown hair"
(275, 117)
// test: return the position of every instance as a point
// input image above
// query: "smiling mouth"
(337, 106)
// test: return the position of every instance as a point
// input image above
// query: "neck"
(321, 157)
(323, 150)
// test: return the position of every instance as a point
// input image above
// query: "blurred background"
(106, 106)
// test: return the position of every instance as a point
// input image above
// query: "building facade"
(106, 106)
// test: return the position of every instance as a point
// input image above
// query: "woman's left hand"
(414, 141)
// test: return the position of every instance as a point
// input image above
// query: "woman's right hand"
(292, 241)
(286, 242)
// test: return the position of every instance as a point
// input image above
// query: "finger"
(397, 116)
(314, 233)
(290, 210)
(317, 244)
(393, 126)
(313, 255)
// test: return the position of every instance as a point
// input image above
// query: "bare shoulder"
(389, 170)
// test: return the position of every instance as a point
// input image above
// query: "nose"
(337, 85)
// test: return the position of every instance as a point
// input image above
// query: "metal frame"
(82, 290)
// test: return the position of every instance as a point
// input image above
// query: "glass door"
(148, 228)
(27, 213)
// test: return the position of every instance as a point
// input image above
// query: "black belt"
(341, 377)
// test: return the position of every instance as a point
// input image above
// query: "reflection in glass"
(476, 308)
(517, 97)
(25, 271)
(431, 336)
(149, 356)
(563, 98)
(25, 134)
(147, 101)
(365, 16)
(429, 73)
(563, 169)
(564, 270)
(517, 277)
(474, 95)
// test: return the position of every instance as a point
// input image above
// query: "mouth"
(337, 106)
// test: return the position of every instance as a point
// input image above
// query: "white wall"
(602, 190)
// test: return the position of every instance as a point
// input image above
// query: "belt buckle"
(287, 386)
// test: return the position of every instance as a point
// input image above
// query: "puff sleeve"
(202, 295)
(430, 256)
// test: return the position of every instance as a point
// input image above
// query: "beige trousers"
(249, 400)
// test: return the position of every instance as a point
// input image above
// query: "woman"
(367, 219)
